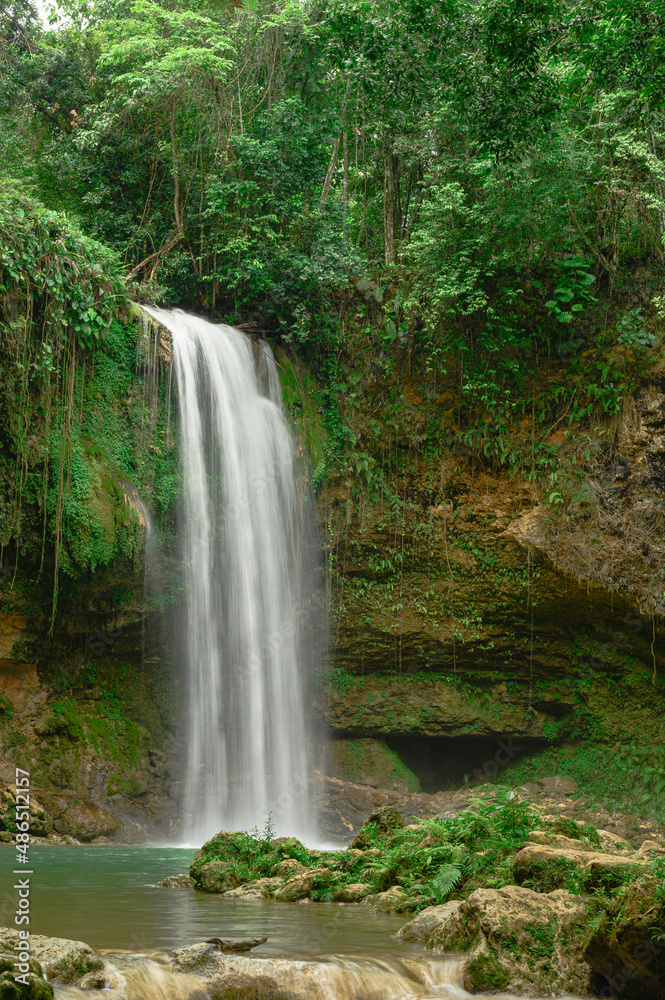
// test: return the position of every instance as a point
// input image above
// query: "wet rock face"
(494, 584)
(370, 762)
(78, 817)
(41, 823)
(641, 438)
(97, 715)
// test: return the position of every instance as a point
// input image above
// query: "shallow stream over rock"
(107, 897)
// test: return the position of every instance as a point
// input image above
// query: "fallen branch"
(173, 242)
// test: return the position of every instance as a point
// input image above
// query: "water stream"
(250, 585)
(107, 896)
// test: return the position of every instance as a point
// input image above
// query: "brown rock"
(40, 822)
(289, 867)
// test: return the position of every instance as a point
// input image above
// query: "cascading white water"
(250, 586)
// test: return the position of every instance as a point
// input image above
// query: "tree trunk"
(389, 207)
(176, 180)
(345, 153)
(330, 173)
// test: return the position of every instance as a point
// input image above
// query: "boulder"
(108, 978)
(547, 868)
(63, 960)
(518, 940)
(258, 888)
(197, 958)
(651, 849)
(421, 927)
(258, 979)
(301, 886)
(391, 901)
(215, 848)
(355, 892)
(627, 947)
(177, 882)
(286, 844)
(98, 980)
(558, 840)
(611, 843)
(205, 956)
(36, 988)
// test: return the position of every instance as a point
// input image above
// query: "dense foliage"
(77, 427)
(489, 166)
(427, 862)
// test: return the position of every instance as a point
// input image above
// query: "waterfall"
(250, 586)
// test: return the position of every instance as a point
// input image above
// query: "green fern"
(447, 878)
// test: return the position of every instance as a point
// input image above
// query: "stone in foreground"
(627, 948)
(34, 989)
(518, 940)
(205, 956)
(62, 960)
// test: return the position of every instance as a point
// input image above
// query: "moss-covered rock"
(371, 762)
(34, 988)
(381, 820)
(301, 886)
(627, 946)
(545, 867)
(183, 881)
(61, 959)
(520, 940)
(216, 876)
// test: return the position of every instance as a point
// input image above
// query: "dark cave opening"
(449, 762)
